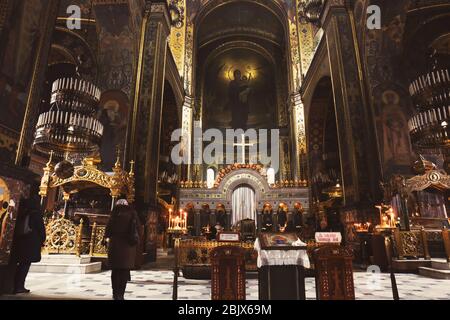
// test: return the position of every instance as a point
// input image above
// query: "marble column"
(357, 143)
(147, 110)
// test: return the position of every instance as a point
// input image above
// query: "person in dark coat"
(122, 232)
(29, 237)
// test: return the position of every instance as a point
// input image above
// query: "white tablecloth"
(282, 257)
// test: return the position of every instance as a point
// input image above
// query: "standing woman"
(122, 232)
(29, 237)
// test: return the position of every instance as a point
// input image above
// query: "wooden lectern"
(228, 273)
(334, 273)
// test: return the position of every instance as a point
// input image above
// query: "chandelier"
(309, 11)
(429, 128)
(70, 125)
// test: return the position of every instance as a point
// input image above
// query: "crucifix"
(243, 145)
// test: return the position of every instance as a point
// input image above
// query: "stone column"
(147, 109)
(187, 127)
(357, 142)
(298, 132)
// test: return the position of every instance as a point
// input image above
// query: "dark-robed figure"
(122, 232)
(29, 237)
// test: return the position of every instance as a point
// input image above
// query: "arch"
(245, 209)
(273, 6)
(324, 163)
(243, 176)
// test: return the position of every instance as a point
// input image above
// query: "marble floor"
(158, 285)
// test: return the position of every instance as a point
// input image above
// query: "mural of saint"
(239, 91)
(397, 147)
(113, 115)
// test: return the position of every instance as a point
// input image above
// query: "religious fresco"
(18, 61)
(116, 46)
(113, 114)
(396, 143)
(390, 62)
(72, 47)
(239, 91)
(85, 6)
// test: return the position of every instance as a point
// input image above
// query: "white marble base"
(67, 264)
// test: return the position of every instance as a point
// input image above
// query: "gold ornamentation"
(86, 175)
(192, 252)
(410, 243)
(62, 237)
(177, 38)
(433, 178)
(97, 245)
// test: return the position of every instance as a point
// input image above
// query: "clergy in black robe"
(297, 217)
(221, 218)
(191, 220)
(267, 221)
(205, 219)
(282, 219)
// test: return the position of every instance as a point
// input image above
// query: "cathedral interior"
(325, 121)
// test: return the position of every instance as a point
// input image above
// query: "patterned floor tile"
(158, 285)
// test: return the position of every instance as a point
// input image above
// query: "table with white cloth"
(281, 272)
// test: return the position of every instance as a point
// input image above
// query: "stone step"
(409, 265)
(434, 273)
(66, 263)
(84, 268)
(440, 264)
(65, 259)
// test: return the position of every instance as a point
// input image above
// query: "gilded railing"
(63, 237)
(97, 247)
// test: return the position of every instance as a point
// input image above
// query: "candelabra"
(429, 128)
(177, 222)
(70, 126)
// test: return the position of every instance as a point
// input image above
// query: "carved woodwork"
(411, 244)
(196, 253)
(228, 273)
(334, 273)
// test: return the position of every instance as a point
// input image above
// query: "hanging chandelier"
(429, 127)
(309, 11)
(70, 125)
